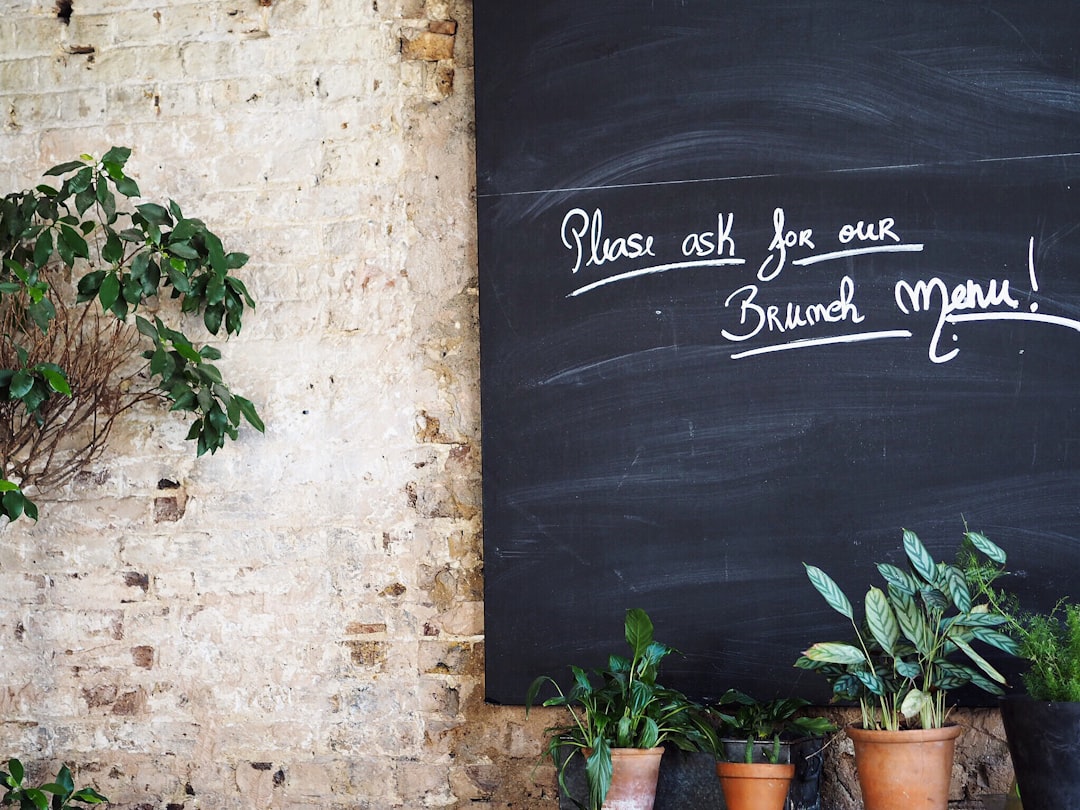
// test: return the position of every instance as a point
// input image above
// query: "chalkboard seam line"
(841, 254)
(852, 170)
(659, 268)
(814, 342)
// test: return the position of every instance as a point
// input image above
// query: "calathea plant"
(76, 269)
(623, 706)
(903, 661)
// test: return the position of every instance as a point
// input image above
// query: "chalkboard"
(761, 283)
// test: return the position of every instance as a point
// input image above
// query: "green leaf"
(977, 659)
(915, 701)
(64, 168)
(898, 577)
(983, 544)
(82, 180)
(21, 384)
(56, 378)
(113, 250)
(127, 187)
(920, 558)
(117, 155)
(957, 587)
(881, 620)
(75, 243)
(109, 291)
(235, 261)
(598, 771)
(999, 640)
(639, 631)
(830, 590)
(912, 623)
(90, 284)
(153, 213)
(835, 652)
(106, 200)
(43, 248)
(871, 681)
(249, 413)
(183, 250)
(84, 199)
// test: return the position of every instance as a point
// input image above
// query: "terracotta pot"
(634, 772)
(754, 786)
(905, 770)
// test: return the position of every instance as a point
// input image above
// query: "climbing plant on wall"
(93, 292)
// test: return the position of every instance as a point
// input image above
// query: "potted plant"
(620, 719)
(62, 790)
(1042, 724)
(914, 646)
(754, 755)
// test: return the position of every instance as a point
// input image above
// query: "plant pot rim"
(630, 752)
(950, 731)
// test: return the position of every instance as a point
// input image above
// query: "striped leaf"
(871, 681)
(978, 660)
(956, 587)
(921, 560)
(951, 676)
(934, 599)
(830, 590)
(898, 577)
(999, 640)
(983, 544)
(908, 669)
(986, 685)
(911, 621)
(835, 652)
(979, 619)
(881, 621)
(847, 687)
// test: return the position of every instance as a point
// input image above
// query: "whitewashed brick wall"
(295, 622)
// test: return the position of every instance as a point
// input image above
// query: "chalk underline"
(808, 260)
(659, 268)
(1054, 320)
(842, 254)
(814, 342)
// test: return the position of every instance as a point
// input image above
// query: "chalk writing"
(752, 312)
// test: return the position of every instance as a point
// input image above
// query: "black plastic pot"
(1044, 742)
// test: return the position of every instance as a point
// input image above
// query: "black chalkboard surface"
(761, 283)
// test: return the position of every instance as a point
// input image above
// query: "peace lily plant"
(622, 706)
(903, 661)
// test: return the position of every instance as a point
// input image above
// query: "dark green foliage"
(120, 257)
(622, 706)
(62, 791)
(744, 718)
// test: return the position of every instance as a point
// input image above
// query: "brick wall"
(295, 622)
